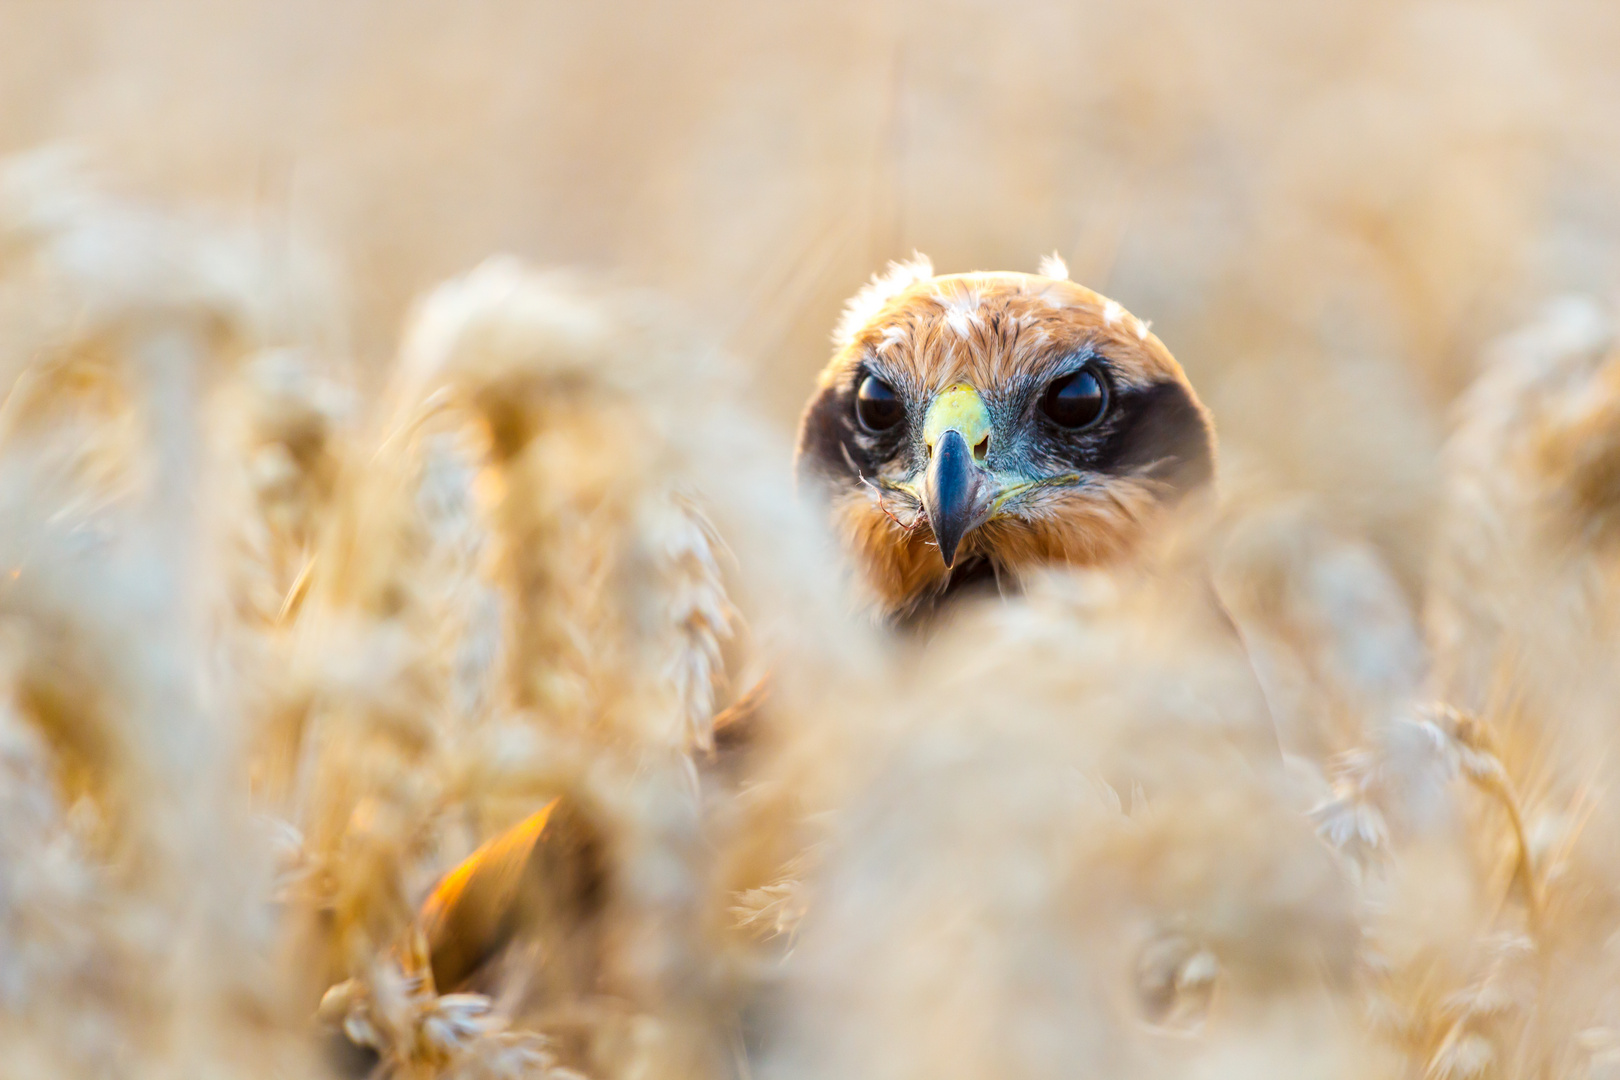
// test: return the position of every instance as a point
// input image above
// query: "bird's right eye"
(877, 406)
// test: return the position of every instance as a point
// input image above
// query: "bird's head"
(973, 426)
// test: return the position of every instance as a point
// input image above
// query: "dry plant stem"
(1485, 771)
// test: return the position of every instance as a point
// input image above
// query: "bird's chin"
(975, 573)
(973, 577)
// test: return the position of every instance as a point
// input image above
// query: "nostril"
(982, 451)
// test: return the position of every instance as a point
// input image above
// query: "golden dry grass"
(334, 541)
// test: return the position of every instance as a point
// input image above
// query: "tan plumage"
(1050, 495)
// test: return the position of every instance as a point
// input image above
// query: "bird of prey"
(972, 426)
(969, 427)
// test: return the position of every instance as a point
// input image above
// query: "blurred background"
(232, 594)
(1325, 209)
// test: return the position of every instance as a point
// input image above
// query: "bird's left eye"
(1077, 400)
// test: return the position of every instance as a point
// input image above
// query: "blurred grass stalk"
(313, 586)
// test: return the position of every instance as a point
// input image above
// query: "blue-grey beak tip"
(952, 493)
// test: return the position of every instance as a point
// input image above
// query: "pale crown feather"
(864, 305)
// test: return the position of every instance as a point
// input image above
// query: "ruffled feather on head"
(864, 305)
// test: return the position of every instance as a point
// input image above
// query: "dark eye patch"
(833, 441)
(1157, 431)
(1160, 433)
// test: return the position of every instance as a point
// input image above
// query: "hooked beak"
(958, 493)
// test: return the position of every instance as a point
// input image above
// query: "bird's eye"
(877, 405)
(1077, 400)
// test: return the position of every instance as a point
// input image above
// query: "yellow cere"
(957, 408)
